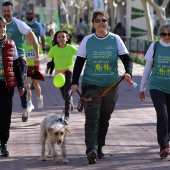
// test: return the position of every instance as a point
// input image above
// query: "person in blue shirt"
(37, 28)
(157, 72)
(39, 31)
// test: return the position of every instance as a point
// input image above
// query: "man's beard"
(7, 17)
(29, 19)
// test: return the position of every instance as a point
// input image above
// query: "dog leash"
(89, 100)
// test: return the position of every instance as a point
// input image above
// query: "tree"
(160, 11)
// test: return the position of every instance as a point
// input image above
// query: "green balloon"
(59, 80)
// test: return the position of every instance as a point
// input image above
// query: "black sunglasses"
(97, 20)
(165, 34)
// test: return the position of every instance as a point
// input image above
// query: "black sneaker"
(100, 154)
(66, 119)
(4, 151)
(92, 157)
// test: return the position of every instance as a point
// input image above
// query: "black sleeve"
(17, 72)
(127, 62)
(78, 66)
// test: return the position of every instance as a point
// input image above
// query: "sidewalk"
(130, 143)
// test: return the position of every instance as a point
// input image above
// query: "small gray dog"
(53, 131)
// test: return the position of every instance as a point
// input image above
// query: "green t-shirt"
(16, 30)
(30, 53)
(160, 76)
(63, 57)
(48, 41)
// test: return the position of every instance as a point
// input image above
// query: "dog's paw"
(65, 161)
(43, 158)
(48, 156)
(56, 160)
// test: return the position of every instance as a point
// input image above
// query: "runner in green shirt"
(33, 73)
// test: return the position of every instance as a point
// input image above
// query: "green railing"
(135, 45)
(137, 48)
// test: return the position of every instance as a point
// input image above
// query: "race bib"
(30, 56)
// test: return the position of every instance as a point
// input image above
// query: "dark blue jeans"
(24, 98)
(66, 91)
(161, 102)
(97, 114)
(5, 111)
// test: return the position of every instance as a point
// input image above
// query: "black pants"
(97, 116)
(66, 91)
(5, 111)
(161, 102)
(24, 97)
(50, 66)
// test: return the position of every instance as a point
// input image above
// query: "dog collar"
(55, 120)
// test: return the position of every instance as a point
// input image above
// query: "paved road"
(131, 140)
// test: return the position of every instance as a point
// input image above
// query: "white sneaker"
(30, 107)
(25, 115)
(40, 103)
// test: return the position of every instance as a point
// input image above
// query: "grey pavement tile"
(130, 143)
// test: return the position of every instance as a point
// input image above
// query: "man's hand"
(36, 61)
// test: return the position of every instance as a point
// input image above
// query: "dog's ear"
(67, 130)
(50, 130)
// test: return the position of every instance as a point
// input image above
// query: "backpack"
(154, 50)
(155, 47)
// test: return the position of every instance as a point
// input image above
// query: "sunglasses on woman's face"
(97, 20)
(165, 34)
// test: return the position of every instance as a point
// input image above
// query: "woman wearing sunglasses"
(101, 51)
(158, 73)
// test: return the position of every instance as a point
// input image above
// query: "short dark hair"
(29, 11)
(7, 3)
(99, 12)
(67, 32)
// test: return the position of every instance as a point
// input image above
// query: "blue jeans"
(24, 97)
(161, 102)
(97, 114)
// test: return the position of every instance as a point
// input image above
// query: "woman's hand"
(74, 88)
(142, 95)
(127, 76)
